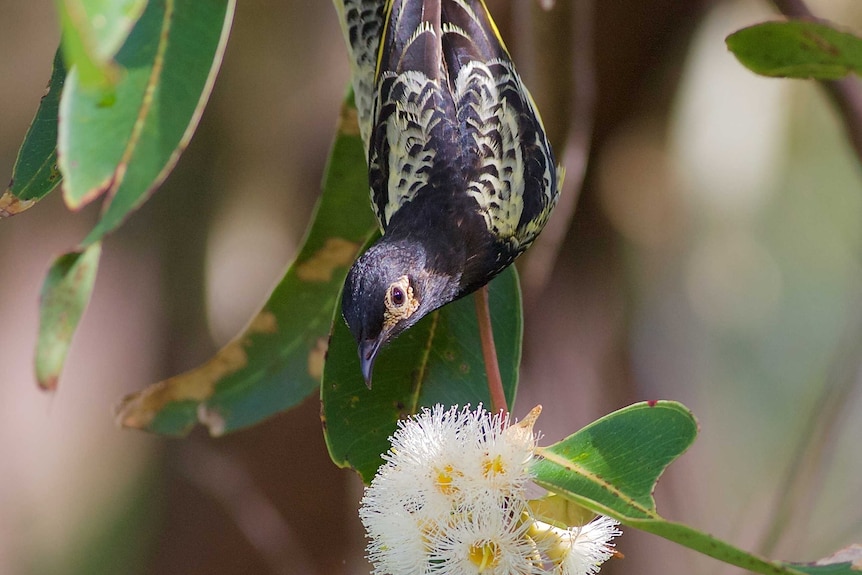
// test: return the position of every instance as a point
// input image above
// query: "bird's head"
(390, 288)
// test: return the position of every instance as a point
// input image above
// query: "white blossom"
(450, 500)
(487, 538)
(578, 550)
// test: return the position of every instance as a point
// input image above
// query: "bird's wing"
(409, 107)
(362, 25)
(513, 177)
(449, 99)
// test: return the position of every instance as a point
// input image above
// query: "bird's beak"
(367, 353)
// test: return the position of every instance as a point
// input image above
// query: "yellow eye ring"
(400, 302)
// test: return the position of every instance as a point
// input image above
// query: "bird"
(461, 175)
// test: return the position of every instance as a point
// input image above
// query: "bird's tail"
(362, 23)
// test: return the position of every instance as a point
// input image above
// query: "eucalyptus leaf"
(278, 360)
(105, 23)
(612, 466)
(36, 174)
(65, 294)
(98, 75)
(617, 460)
(126, 146)
(797, 49)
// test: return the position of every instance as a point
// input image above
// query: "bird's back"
(461, 174)
(452, 124)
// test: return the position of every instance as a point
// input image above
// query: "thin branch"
(489, 351)
(845, 94)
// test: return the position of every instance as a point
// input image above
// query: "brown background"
(713, 258)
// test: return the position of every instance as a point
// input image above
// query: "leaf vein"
(572, 466)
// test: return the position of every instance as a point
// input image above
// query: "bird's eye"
(397, 296)
(400, 302)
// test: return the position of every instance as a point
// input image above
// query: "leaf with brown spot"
(126, 144)
(278, 360)
(317, 358)
(64, 297)
(196, 386)
(348, 122)
(36, 174)
(335, 253)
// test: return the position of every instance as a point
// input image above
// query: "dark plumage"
(462, 177)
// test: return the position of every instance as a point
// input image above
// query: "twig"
(846, 93)
(793, 8)
(489, 351)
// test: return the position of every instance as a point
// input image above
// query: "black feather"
(461, 174)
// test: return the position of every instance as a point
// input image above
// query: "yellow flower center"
(445, 477)
(493, 467)
(485, 556)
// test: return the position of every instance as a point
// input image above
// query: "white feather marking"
(449, 28)
(362, 21)
(499, 188)
(423, 27)
(408, 132)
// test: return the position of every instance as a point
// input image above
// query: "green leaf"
(439, 360)
(79, 48)
(104, 25)
(126, 146)
(616, 460)
(36, 174)
(797, 49)
(612, 465)
(65, 295)
(93, 32)
(723, 551)
(278, 361)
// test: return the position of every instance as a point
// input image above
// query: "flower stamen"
(450, 499)
(484, 556)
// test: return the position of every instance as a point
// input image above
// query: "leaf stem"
(489, 351)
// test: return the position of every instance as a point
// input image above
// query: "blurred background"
(713, 258)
